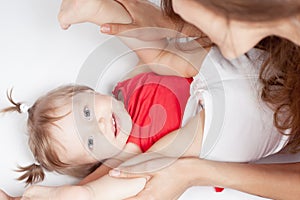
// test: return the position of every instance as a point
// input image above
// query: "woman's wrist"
(199, 172)
(195, 171)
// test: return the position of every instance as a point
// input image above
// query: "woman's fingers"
(114, 29)
(142, 169)
(127, 173)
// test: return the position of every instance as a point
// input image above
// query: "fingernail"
(105, 28)
(115, 172)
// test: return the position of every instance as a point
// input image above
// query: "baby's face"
(96, 129)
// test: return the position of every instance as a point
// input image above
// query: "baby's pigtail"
(16, 107)
(32, 174)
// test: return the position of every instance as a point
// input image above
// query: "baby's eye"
(91, 143)
(87, 113)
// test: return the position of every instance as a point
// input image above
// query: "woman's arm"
(275, 181)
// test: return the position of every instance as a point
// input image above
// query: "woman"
(237, 26)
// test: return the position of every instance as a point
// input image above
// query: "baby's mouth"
(115, 126)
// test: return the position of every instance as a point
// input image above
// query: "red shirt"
(156, 105)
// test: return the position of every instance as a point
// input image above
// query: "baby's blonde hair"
(41, 118)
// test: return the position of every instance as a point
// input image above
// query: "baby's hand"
(4, 196)
(78, 11)
(57, 193)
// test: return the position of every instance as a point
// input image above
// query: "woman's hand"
(167, 178)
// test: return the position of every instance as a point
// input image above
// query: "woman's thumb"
(113, 29)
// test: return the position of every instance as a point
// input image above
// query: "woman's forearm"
(276, 181)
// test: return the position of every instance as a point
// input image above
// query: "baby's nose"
(101, 124)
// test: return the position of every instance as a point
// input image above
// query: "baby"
(73, 129)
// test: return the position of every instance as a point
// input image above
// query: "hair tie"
(24, 108)
(37, 163)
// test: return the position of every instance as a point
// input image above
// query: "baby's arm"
(165, 58)
(95, 11)
(112, 189)
(184, 142)
(107, 188)
(98, 173)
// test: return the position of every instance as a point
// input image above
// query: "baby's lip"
(115, 124)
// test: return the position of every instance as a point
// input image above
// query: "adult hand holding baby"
(167, 178)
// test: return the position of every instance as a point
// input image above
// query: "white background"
(36, 56)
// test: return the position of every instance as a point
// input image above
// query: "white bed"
(36, 56)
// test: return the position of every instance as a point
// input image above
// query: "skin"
(108, 124)
(82, 11)
(236, 37)
(4, 196)
(245, 177)
(274, 181)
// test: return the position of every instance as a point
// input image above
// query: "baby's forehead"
(64, 129)
(89, 98)
(85, 97)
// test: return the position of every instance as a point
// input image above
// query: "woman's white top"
(238, 124)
